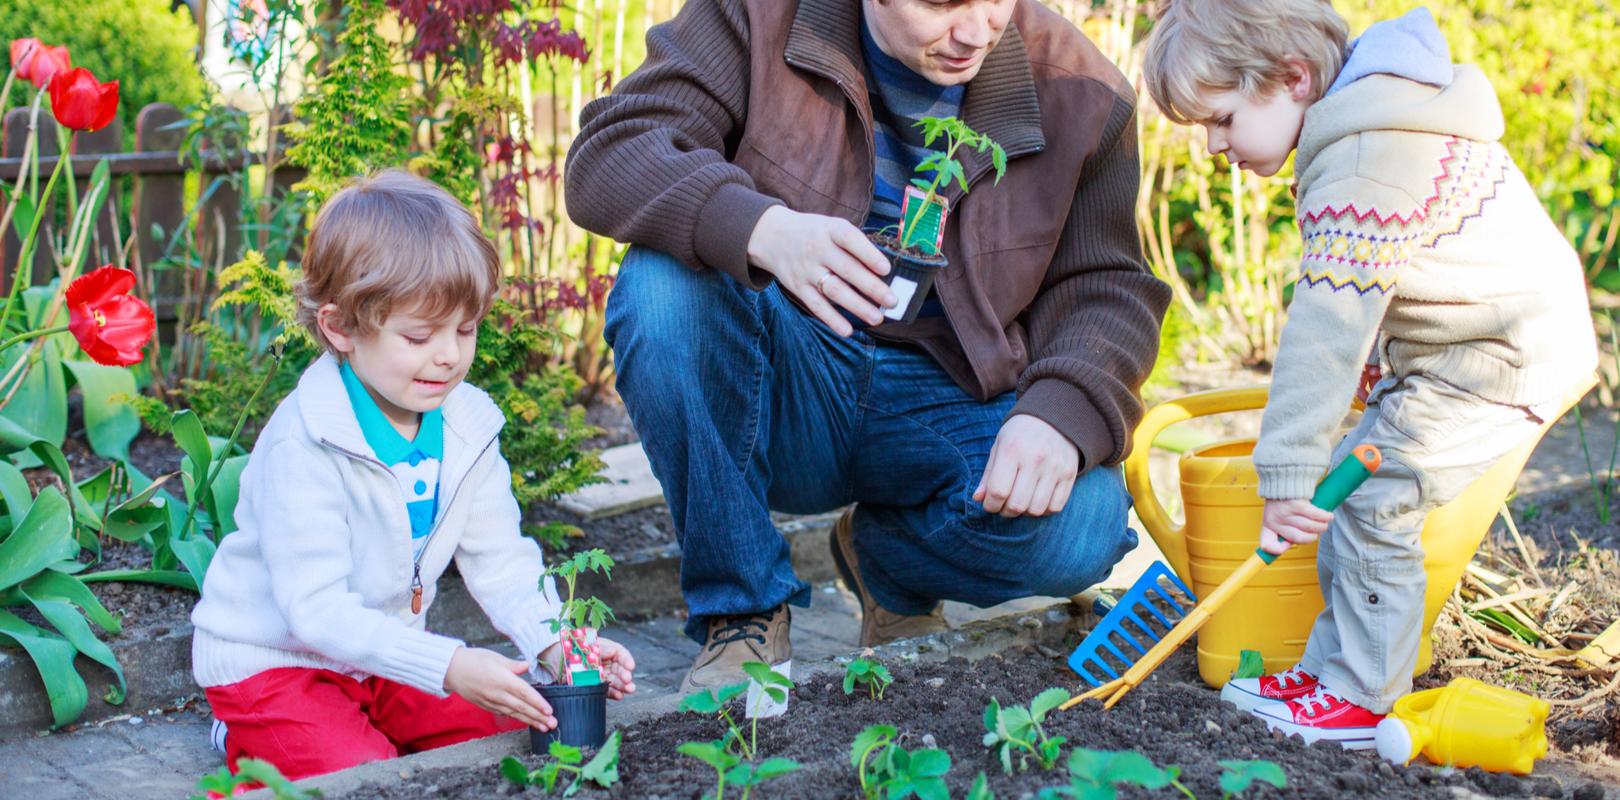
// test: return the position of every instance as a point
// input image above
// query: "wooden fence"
(158, 197)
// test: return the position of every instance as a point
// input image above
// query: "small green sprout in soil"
(1239, 775)
(248, 772)
(1094, 773)
(581, 613)
(1250, 665)
(888, 771)
(729, 762)
(869, 673)
(980, 790)
(603, 770)
(1016, 728)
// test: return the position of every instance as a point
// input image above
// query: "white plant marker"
(903, 289)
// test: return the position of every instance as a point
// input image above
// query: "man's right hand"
(802, 250)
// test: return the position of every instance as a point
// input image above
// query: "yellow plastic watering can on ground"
(1273, 615)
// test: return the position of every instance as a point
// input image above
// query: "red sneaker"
(1251, 693)
(1323, 715)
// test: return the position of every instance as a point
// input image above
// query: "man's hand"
(802, 250)
(1286, 523)
(490, 681)
(1031, 469)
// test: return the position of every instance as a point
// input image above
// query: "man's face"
(945, 41)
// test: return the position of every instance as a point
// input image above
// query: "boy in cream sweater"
(1429, 269)
(369, 478)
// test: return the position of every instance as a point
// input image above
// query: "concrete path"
(161, 753)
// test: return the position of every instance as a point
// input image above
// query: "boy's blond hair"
(1200, 46)
(395, 242)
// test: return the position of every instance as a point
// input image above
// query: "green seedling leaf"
(514, 771)
(865, 741)
(603, 769)
(1239, 775)
(711, 701)
(711, 753)
(980, 790)
(992, 713)
(1105, 767)
(567, 754)
(1046, 701)
(1250, 665)
(774, 768)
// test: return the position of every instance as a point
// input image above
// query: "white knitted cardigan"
(319, 574)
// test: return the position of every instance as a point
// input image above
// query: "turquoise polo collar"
(385, 441)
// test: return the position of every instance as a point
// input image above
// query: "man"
(978, 441)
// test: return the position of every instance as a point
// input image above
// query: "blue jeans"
(746, 405)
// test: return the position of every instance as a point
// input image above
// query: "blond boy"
(369, 478)
(1424, 247)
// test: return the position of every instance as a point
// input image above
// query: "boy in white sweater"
(375, 472)
(1424, 247)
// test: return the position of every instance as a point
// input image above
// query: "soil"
(636, 531)
(891, 245)
(1173, 720)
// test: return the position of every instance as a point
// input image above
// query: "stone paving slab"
(630, 487)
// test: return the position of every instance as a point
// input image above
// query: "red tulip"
(80, 102)
(33, 61)
(110, 325)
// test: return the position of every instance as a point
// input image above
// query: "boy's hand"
(490, 681)
(1286, 523)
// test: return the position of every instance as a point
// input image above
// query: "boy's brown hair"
(395, 242)
(1244, 46)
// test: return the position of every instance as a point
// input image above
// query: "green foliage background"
(149, 51)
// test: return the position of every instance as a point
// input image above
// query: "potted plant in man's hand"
(578, 697)
(913, 245)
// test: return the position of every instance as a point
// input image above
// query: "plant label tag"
(903, 289)
(924, 226)
(760, 704)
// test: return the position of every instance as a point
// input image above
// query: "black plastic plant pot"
(911, 276)
(581, 713)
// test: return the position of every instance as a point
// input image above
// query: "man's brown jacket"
(742, 104)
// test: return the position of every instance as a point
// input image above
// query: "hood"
(1399, 77)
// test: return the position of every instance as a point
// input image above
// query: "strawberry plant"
(1016, 728)
(603, 769)
(869, 673)
(889, 772)
(250, 771)
(1237, 776)
(733, 755)
(1093, 775)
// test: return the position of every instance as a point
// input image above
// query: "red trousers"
(314, 721)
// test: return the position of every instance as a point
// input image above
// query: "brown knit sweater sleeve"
(649, 165)
(1094, 327)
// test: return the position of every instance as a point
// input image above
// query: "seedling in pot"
(579, 697)
(869, 673)
(603, 769)
(889, 772)
(581, 613)
(1016, 728)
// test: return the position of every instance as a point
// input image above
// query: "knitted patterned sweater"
(1421, 237)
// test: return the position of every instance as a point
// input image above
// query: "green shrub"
(149, 51)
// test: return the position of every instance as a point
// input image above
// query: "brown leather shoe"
(878, 624)
(736, 639)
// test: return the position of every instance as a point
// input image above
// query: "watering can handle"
(1170, 537)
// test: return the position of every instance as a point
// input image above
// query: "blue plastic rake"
(1087, 657)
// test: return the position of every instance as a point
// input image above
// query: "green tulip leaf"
(53, 656)
(76, 630)
(42, 538)
(194, 552)
(109, 424)
(161, 577)
(14, 490)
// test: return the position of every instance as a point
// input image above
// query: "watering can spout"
(1170, 537)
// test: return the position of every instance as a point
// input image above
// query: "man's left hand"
(1031, 470)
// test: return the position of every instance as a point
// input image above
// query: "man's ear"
(327, 317)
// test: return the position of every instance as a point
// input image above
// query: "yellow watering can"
(1273, 615)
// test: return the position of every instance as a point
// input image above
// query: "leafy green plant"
(980, 790)
(553, 536)
(889, 772)
(944, 165)
(248, 772)
(716, 700)
(1094, 773)
(869, 673)
(1018, 729)
(579, 613)
(1239, 775)
(1250, 665)
(716, 754)
(603, 769)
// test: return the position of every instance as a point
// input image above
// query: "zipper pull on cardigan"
(416, 591)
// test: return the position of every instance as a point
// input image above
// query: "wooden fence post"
(160, 200)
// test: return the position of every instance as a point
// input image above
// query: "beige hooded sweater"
(1420, 236)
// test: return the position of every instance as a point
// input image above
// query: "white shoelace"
(1322, 695)
(1293, 675)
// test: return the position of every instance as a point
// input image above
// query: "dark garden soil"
(622, 534)
(1173, 720)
